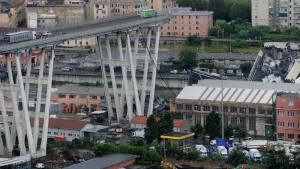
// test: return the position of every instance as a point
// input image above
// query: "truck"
(202, 149)
(223, 142)
(256, 144)
(19, 36)
(255, 155)
(148, 13)
(247, 155)
(139, 133)
(223, 151)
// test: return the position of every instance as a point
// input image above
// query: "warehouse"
(245, 102)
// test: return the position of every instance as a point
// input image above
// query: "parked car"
(66, 69)
(174, 71)
(47, 33)
(39, 165)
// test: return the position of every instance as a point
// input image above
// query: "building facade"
(184, 23)
(275, 12)
(288, 117)
(248, 103)
(160, 5)
(12, 13)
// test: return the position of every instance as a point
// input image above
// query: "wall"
(198, 164)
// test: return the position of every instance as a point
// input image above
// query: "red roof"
(143, 120)
(62, 123)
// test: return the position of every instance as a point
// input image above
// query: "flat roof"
(80, 90)
(177, 135)
(103, 162)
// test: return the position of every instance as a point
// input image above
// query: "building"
(160, 5)
(248, 103)
(140, 122)
(288, 116)
(275, 12)
(41, 20)
(107, 162)
(78, 99)
(12, 13)
(185, 22)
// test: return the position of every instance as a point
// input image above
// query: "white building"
(249, 103)
(275, 12)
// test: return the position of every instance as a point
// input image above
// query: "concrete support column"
(28, 73)
(145, 77)
(1, 147)
(48, 98)
(151, 100)
(15, 102)
(31, 145)
(107, 95)
(113, 79)
(39, 98)
(135, 87)
(125, 80)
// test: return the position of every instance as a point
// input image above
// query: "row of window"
(80, 97)
(290, 136)
(62, 134)
(290, 124)
(290, 113)
(182, 28)
(225, 109)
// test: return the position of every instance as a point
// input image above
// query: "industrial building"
(249, 103)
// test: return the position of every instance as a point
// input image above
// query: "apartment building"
(184, 22)
(288, 116)
(12, 13)
(248, 103)
(160, 5)
(275, 12)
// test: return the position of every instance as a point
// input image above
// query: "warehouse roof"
(80, 90)
(235, 91)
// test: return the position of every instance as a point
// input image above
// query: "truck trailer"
(255, 155)
(148, 13)
(19, 36)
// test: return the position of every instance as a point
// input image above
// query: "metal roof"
(104, 162)
(235, 91)
(80, 90)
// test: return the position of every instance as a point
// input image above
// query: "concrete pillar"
(145, 77)
(31, 145)
(39, 98)
(125, 81)
(151, 100)
(107, 95)
(113, 79)
(15, 102)
(135, 87)
(28, 72)
(48, 97)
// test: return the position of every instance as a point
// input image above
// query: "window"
(233, 120)
(291, 114)
(269, 120)
(179, 106)
(242, 110)
(69, 134)
(198, 118)
(72, 96)
(197, 107)
(206, 108)
(291, 125)
(49, 132)
(188, 107)
(82, 96)
(298, 114)
(61, 96)
(101, 97)
(280, 135)
(280, 124)
(269, 112)
(56, 133)
(233, 109)
(225, 109)
(290, 136)
(189, 117)
(290, 103)
(298, 136)
(252, 123)
(243, 120)
(215, 108)
(252, 111)
(93, 97)
(280, 113)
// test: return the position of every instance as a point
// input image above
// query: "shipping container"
(148, 13)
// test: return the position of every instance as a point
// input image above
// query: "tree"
(218, 7)
(275, 159)
(151, 130)
(213, 125)
(165, 125)
(240, 9)
(236, 130)
(188, 58)
(194, 4)
(197, 129)
(193, 40)
(237, 157)
(246, 68)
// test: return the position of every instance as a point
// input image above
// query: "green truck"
(148, 13)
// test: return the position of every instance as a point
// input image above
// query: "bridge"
(123, 27)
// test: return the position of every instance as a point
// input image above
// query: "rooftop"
(103, 162)
(177, 135)
(80, 90)
(62, 123)
(143, 120)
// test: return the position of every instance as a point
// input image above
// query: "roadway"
(124, 23)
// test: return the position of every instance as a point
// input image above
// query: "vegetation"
(151, 130)
(237, 130)
(197, 129)
(275, 159)
(213, 125)
(165, 125)
(237, 157)
(188, 58)
(246, 68)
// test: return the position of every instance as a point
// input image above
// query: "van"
(39, 165)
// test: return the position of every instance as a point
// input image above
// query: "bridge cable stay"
(164, 80)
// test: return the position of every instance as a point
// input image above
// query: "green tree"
(275, 159)
(151, 130)
(188, 58)
(246, 68)
(236, 130)
(165, 124)
(213, 125)
(193, 40)
(218, 7)
(194, 4)
(197, 129)
(240, 9)
(237, 157)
